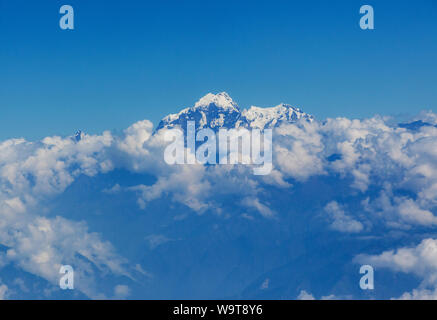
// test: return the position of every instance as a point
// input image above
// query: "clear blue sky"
(130, 60)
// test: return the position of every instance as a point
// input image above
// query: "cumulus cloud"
(258, 206)
(391, 172)
(121, 291)
(4, 291)
(298, 150)
(340, 221)
(303, 295)
(419, 294)
(156, 240)
(31, 172)
(420, 261)
(369, 152)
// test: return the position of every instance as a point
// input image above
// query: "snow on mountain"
(217, 111)
(213, 111)
(261, 118)
(222, 100)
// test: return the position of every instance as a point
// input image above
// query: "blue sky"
(342, 193)
(132, 60)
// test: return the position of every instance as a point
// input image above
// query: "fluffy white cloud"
(340, 220)
(419, 294)
(32, 172)
(303, 295)
(298, 150)
(420, 261)
(369, 152)
(4, 291)
(258, 206)
(156, 240)
(400, 164)
(121, 291)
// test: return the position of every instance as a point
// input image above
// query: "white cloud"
(297, 150)
(419, 294)
(121, 291)
(303, 295)
(156, 240)
(4, 291)
(370, 153)
(254, 203)
(340, 220)
(400, 164)
(33, 172)
(420, 261)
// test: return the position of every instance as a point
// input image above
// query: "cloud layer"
(390, 173)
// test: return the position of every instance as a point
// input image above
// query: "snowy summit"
(217, 111)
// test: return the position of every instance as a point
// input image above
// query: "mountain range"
(217, 111)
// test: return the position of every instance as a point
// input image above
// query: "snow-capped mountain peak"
(261, 118)
(221, 100)
(217, 111)
(213, 111)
